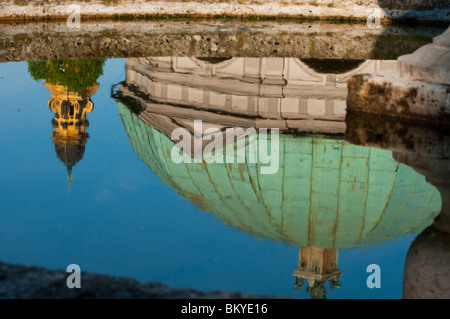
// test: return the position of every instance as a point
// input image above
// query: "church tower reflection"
(71, 84)
(70, 122)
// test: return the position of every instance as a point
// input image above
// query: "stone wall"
(213, 38)
(350, 9)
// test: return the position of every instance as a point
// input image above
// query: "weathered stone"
(420, 89)
(430, 63)
(217, 38)
(386, 93)
(350, 9)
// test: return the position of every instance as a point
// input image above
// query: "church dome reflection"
(327, 192)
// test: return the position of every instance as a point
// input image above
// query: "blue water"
(120, 219)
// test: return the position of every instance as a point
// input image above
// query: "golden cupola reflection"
(317, 266)
(71, 83)
(70, 122)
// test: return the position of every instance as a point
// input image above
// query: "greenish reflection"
(327, 194)
(75, 75)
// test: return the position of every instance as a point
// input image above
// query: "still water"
(87, 177)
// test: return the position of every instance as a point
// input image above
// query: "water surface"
(104, 194)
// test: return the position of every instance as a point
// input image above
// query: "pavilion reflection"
(327, 194)
(318, 266)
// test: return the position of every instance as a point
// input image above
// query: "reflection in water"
(426, 150)
(70, 123)
(247, 92)
(317, 266)
(327, 193)
(71, 84)
(336, 66)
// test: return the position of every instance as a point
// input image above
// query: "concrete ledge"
(391, 10)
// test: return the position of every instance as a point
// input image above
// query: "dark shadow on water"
(425, 148)
(333, 66)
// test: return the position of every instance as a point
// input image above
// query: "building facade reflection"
(287, 93)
